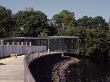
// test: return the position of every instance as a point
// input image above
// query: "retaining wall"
(50, 65)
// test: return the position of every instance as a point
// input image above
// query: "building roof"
(63, 37)
(49, 37)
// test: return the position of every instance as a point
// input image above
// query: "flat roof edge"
(49, 37)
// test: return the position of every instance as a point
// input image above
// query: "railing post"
(62, 54)
(1, 42)
(22, 43)
(78, 46)
(2, 45)
(26, 43)
(29, 43)
(48, 45)
(17, 43)
(7, 44)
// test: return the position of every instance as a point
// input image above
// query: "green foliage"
(98, 42)
(63, 21)
(31, 23)
(89, 22)
(94, 33)
(94, 40)
(7, 23)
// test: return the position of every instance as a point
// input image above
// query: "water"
(89, 71)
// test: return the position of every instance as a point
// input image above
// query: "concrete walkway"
(12, 69)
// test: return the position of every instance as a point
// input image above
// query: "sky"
(51, 7)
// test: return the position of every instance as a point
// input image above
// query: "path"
(12, 69)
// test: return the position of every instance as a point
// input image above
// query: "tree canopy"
(89, 22)
(31, 23)
(7, 22)
(94, 32)
(63, 21)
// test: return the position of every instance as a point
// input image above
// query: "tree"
(7, 23)
(93, 23)
(64, 20)
(31, 23)
(83, 22)
(100, 22)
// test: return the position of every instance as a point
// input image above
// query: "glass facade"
(52, 43)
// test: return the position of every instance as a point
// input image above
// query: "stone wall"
(59, 69)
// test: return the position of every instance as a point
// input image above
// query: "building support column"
(48, 45)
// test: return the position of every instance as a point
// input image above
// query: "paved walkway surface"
(12, 69)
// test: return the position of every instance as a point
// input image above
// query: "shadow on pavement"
(2, 64)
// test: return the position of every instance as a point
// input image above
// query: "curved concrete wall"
(29, 57)
(48, 63)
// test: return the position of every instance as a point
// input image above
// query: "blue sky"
(50, 7)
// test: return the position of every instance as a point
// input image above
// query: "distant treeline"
(94, 32)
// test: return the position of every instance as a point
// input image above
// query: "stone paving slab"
(12, 70)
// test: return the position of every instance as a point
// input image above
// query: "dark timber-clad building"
(21, 45)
